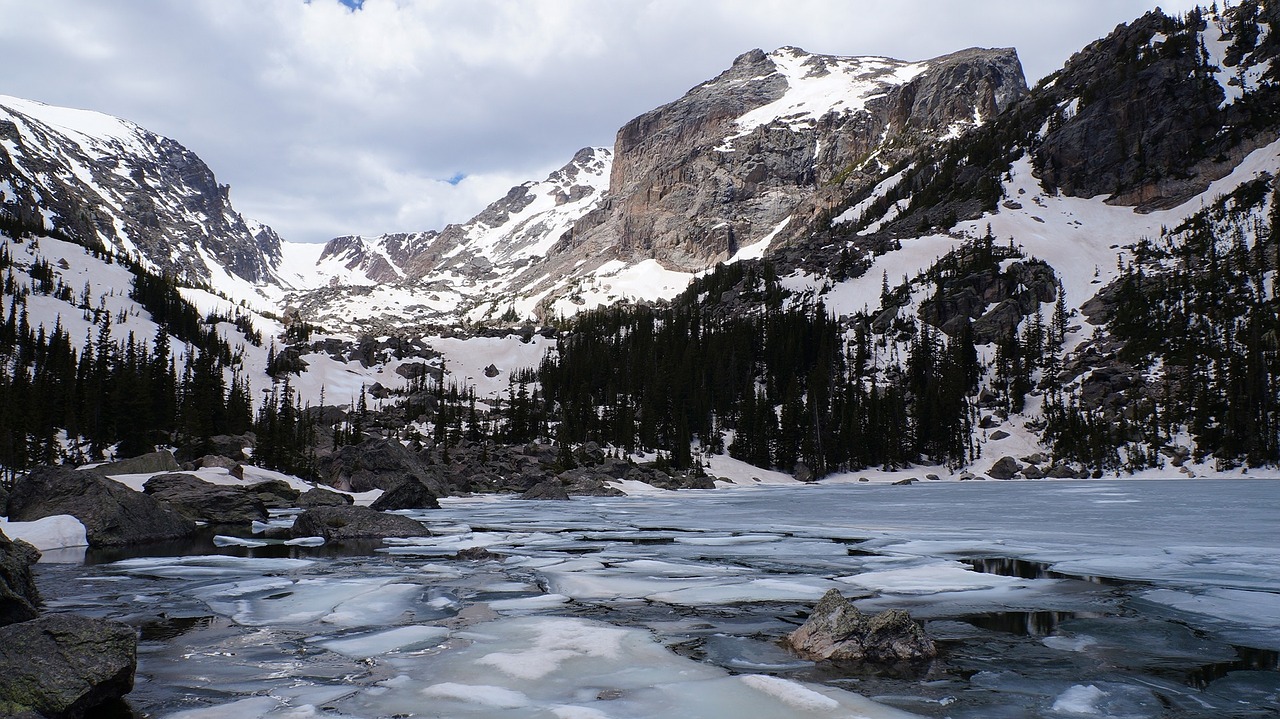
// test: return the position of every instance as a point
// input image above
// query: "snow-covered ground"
(669, 605)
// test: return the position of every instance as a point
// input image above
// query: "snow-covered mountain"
(717, 175)
(107, 183)
(471, 269)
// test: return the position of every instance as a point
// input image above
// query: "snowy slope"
(109, 183)
(818, 85)
(471, 270)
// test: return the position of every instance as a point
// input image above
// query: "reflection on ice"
(391, 640)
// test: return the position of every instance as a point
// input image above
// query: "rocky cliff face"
(1163, 106)
(108, 183)
(778, 134)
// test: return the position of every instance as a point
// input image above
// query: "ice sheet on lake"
(578, 668)
(349, 602)
(1242, 616)
(618, 557)
(384, 642)
(934, 578)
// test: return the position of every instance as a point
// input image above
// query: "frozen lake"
(1048, 599)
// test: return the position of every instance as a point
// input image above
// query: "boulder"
(1004, 468)
(111, 513)
(317, 497)
(591, 454)
(202, 501)
(998, 435)
(162, 461)
(409, 494)
(700, 482)
(64, 666)
(477, 554)
(551, 489)
(19, 598)
(1060, 471)
(339, 523)
(231, 446)
(215, 461)
(837, 631)
(275, 493)
(588, 483)
(377, 464)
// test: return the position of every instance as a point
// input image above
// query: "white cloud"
(328, 121)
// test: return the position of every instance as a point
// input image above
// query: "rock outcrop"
(837, 631)
(773, 139)
(63, 666)
(112, 513)
(202, 501)
(408, 494)
(1142, 118)
(19, 597)
(162, 461)
(317, 497)
(551, 489)
(335, 524)
(377, 464)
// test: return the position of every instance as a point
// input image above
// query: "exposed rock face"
(996, 300)
(109, 183)
(112, 513)
(837, 631)
(19, 598)
(409, 494)
(338, 523)
(323, 498)
(199, 500)
(1141, 114)
(63, 666)
(721, 168)
(377, 464)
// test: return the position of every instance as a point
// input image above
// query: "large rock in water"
(339, 523)
(409, 494)
(377, 464)
(19, 598)
(62, 666)
(111, 513)
(199, 500)
(837, 631)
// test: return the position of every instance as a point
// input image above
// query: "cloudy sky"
(403, 115)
